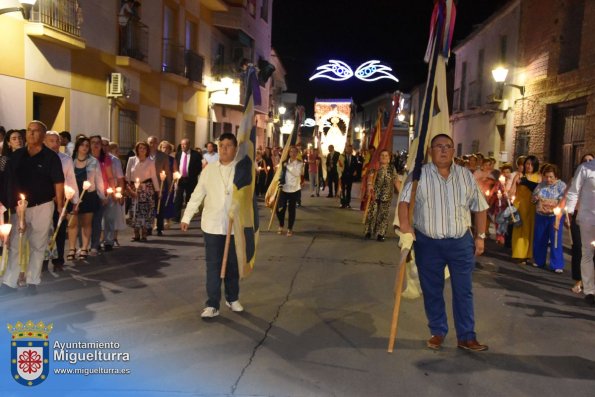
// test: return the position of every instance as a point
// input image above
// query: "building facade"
(481, 119)
(125, 70)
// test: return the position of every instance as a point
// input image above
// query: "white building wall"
(12, 99)
(149, 122)
(88, 114)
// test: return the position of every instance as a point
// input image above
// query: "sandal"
(280, 230)
(83, 254)
(71, 255)
(289, 233)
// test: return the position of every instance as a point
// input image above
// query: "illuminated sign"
(367, 71)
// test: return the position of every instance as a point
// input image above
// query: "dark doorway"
(568, 137)
(49, 109)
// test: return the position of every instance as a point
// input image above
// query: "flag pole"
(274, 209)
(226, 249)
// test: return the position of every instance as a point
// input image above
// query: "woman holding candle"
(380, 188)
(547, 196)
(522, 188)
(140, 169)
(86, 168)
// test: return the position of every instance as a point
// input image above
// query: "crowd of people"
(77, 194)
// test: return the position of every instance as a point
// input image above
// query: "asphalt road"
(318, 309)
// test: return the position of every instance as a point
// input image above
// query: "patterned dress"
(378, 213)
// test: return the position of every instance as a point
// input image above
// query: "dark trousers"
(214, 247)
(97, 227)
(346, 192)
(159, 213)
(183, 193)
(432, 256)
(287, 201)
(332, 181)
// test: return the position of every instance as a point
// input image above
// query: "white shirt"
(442, 205)
(215, 187)
(582, 189)
(142, 170)
(210, 157)
(69, 148)
(69, 178)
(293, 176)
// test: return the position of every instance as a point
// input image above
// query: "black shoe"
(149, 232)
(44, 266)
(58, 268)
(367, 236)
(159, 233)
(31, 289)
(108, 247)
(590, 299)
(380, 238)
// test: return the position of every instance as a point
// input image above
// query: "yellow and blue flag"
(244, 210)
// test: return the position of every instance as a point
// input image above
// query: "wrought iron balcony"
(134, 40)
(63, 15)
(173, 58)
(194, 65)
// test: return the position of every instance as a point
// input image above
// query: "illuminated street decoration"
(332, 117)
(340, 69)
(367, 71)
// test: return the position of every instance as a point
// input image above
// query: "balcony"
(194, 65)
(237, 18)
(134, 45)
(57, 21)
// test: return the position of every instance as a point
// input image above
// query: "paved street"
(317, 317)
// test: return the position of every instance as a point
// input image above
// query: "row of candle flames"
(5, 228)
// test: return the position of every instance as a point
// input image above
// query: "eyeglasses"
(442, 147)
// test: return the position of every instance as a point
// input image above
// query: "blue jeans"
(432, 256)
(214, 247)
(545, 233)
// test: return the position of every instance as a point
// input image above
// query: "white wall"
(88, 114)
(149, 122)
(12, 100)
(47, 62)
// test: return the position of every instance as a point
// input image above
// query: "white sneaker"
(209, 312)
(235, 306)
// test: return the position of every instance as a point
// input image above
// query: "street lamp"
(499, 74)
(24, 6)
(401, 117)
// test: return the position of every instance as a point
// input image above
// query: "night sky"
(307, 33)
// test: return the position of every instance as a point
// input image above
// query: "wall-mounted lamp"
(24, 6)
(499, 74)
(226, 89)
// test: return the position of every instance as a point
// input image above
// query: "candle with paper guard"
(69, 194)
(162, 177)
(557, 212)
(21, 207)
(4, 233)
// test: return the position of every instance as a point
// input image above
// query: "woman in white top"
(292, 179)
(140, 169)
(86, 168)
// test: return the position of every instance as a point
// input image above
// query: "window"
(189, 130)
(456, 104)
(459, 149)
(570, 36)
(168, 129)
(264, 10)
(191, 36)
(479, 79)
(475, 146)
(503, 48)
(127, 130)
(522, 143)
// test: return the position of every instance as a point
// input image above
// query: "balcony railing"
(194, 66)
(63, 15)
(173, 57)
(134, 40)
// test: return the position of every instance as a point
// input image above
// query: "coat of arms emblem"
(29, 352)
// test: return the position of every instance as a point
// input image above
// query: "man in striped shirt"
(445, 195)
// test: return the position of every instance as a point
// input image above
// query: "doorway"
(51, 110)
(567, 143)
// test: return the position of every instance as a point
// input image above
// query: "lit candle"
(137, 183)
(110, 190)
(502, 179)
(487, 193)
(162, 177)
(176, 175)
(118, 189)
(557, 212)
(4, 233)
(118, 195)
(69, 194)
(499, 194)
(21, 207)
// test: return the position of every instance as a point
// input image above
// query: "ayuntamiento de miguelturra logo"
(29, 352)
